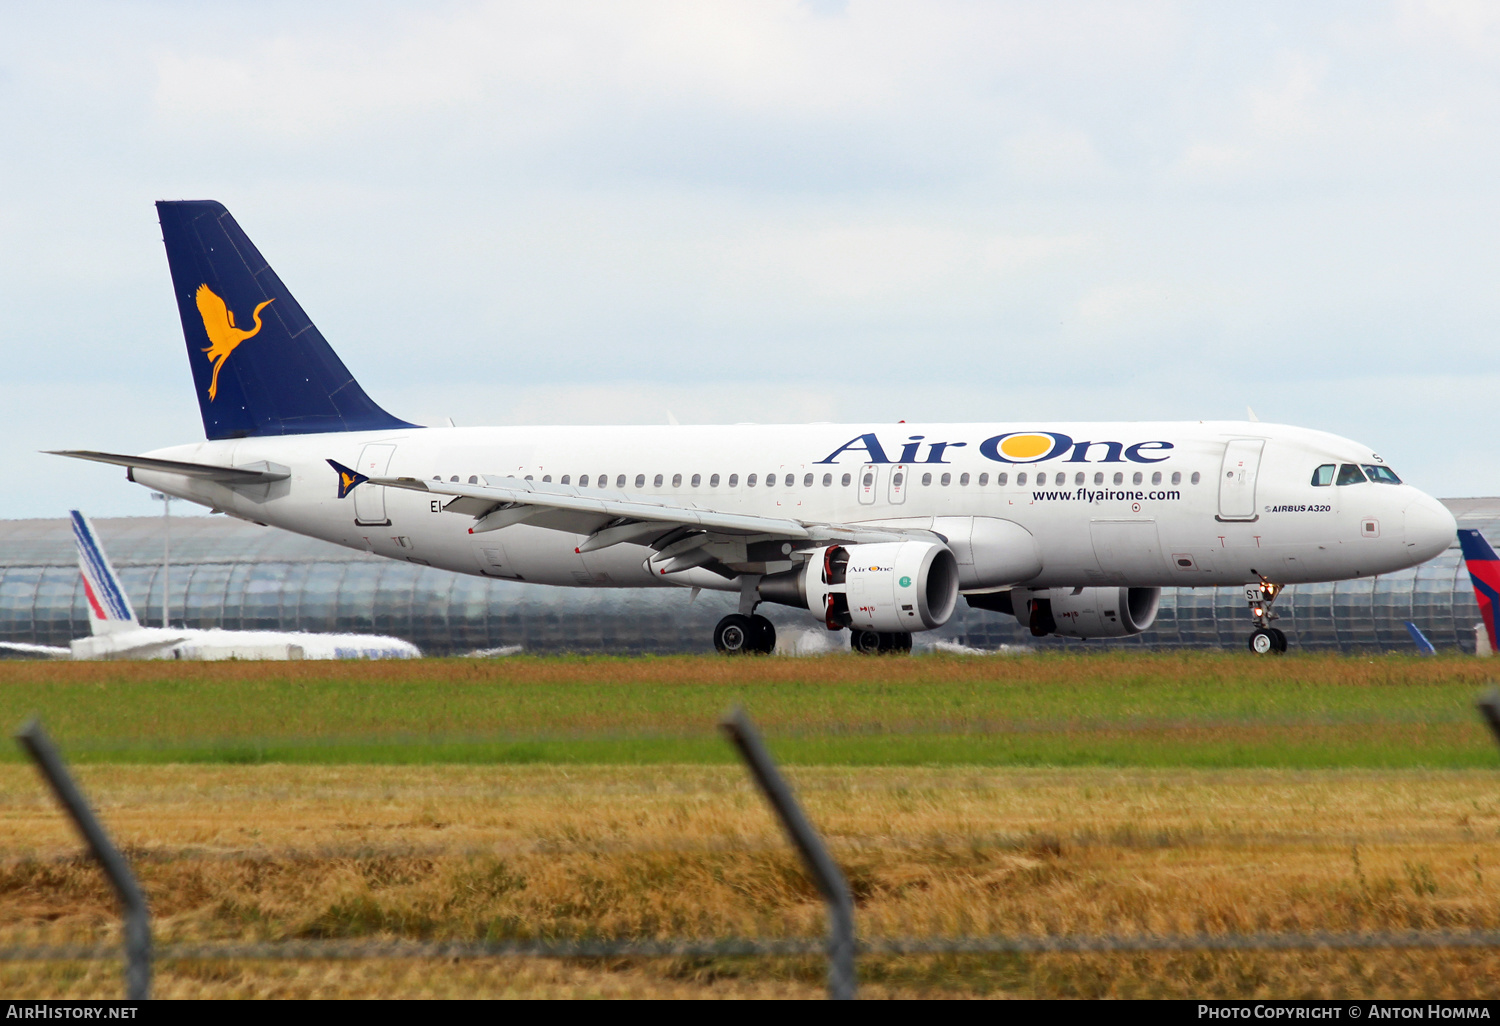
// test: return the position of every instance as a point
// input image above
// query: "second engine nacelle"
(888, 586)
(1077, 612)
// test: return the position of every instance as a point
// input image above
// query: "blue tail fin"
(260, 366)
(1419, 639)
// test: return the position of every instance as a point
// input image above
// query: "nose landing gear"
(1265, 639)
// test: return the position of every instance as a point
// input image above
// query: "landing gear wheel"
(1263, 642)
(764, 640)
(1280, 637)
(897, 642)
(865, 642)
(735, 635)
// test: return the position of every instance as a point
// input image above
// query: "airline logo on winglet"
(347, 478)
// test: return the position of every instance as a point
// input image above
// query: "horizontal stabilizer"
(258, 473)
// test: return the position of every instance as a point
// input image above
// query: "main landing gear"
(738, 634)
(1265, 639)
(879, 642)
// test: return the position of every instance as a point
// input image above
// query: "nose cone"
(1430, 529)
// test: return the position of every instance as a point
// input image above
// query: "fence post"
(137, 919)
(825, 872)
(1489, 708)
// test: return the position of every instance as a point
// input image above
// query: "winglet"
(348, 479)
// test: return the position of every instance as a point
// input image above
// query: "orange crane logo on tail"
(223, 336)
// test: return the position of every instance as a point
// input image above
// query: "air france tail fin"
(260, 365)
(1484, 571)
(109, 606)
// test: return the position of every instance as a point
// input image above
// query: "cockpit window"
(1381, 475)
(1349, 474)
(1323, 476)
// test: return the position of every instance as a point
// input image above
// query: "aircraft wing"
(684, 536)
(49, 651)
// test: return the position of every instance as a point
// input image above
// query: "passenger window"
(734, 480)
(1003, 479)
(566, 479)
(897, 478)
(713, 481)
(656, 482)
(697, 480)
(640, 480)
(676, 480)
(1323, 476)
(869, 479)
(984, 479)
(1156, 478)
(1137, 478)
(807, 480)
(1041, 479)
(1021, 479)
(453, 479)
(583, 480)
(1194, 478)
(1349, 474)
(750, 481)
(827, 480)
(620, 481)
(1098, 479)
(1078, 478)
(1177, 477)
(947, 480)
(846, 480)
(926, 479)
(546, 479)
(1381, 475)
(963, 479)
(474, 479)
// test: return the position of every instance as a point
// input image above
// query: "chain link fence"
(840, 949)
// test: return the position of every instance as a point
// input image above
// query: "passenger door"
(1237, 479)
(369, 500)
(868, 483)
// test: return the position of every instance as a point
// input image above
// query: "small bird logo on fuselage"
(223, 336)
(347, 478)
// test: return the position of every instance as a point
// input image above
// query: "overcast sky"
(768, 211)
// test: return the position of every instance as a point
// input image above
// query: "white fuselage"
(1137, 504)
(135, 642)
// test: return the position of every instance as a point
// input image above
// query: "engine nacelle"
(1077, 612)
(888, 586)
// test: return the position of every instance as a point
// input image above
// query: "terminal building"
(235, 575)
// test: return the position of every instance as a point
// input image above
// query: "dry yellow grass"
(271, 852)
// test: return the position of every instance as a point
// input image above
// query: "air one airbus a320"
(1072, 528)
